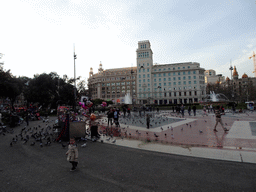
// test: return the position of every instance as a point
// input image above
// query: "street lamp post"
(74, 80)
(231, 69)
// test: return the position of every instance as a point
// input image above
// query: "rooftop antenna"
(231, 68)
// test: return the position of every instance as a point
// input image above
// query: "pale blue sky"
(38, 35)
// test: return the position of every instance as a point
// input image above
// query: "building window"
(184, 78)
(184, 82)
(194, 77)
(194, 82)
(178, 73)
(188, 72)
(164, 79)
(148, 80)
(194, 72)
(178, 78)
(154, 80)
(159, 79)
(159, 75)
(184, 73)
(148, 75)
(174, 83)
(154, 75)
(164, 74)
(147, 70)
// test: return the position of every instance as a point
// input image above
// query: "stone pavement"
(194, 136)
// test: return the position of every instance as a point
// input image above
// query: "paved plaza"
(171, 157)
(193, 135)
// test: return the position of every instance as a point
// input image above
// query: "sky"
(40, 36)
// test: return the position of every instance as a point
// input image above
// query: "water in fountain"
(127, 99)
(212, 97)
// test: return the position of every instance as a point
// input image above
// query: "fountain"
(127, 99)
(212, 97)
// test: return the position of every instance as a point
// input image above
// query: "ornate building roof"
(235, 73)
(245, 75)
(227, 79)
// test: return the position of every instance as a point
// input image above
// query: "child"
(72, 154)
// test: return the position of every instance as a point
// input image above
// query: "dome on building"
(245, 76)
(227, 79)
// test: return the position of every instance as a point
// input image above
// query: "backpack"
(115, 114)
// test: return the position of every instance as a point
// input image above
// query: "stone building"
(112, 84)
(241, 89)
(211, 77)
(167, 83)
(149, 83)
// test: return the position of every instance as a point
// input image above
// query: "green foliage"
(97, 101)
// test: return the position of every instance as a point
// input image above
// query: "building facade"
(241, 89)
(148, 83)
(177, 83)
(112, 84)
(211, 77)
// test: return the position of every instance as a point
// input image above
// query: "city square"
(112, 96)
(188, 161)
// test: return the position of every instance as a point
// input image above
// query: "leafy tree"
(10, 87)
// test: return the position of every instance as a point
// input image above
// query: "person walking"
(194, 110)
(27, 119)
(116, 116)
(124, 111)
(182, 109)
(189, 110)
(148, 120)
(110, 115)
(129, 112)
(72, 154)
(219, 120)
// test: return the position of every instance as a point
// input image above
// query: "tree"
(10, 86)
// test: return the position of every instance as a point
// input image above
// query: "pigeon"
(11, 144)
(172, 136)
(41, 145)
(63, 146)
(200, 131)
(32, 144)
(156, 135)
(84, 145)
(114, 141)
(181, 129)
(162, 128)
(165, 134)
(108, 139)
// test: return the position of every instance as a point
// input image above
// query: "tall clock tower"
(144, 68)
